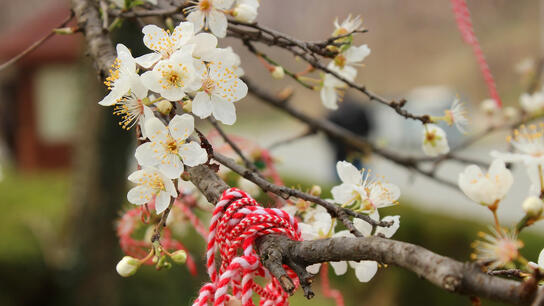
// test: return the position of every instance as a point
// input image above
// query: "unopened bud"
(188, 106)
(128, 266)
(533, 206)
(489, 106)
(510, 113)
(164, 107)
(179, 257)
(278, 73)
(245, 13)
(315, 191)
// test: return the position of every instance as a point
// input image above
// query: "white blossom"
(151, 183)
(486, 189)
(457, 115)
(163, 43)
(489, 107)
(361, 192)
(345, 62)
(434, 140)
(330, 90)
(347, 26)
(174, 77)
(168, 150)
(133, 110)
(123, 79)
(219, 89)
(210, 14)
(319, 226)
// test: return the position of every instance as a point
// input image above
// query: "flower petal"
(223, 111)
(541, 259)
(182, 34)
(328, 97)
(218, 23)
(348, 173)
(140, 195)
(161, 202)
(156, 131)
(314, 269)
(388, 232)
(197, 18)
(181, 127)
(145, 155)
(171, 166)
(365, 270)
(192, 154)
(155, 37)
(148, 60)
(339, 267)
(202, 105)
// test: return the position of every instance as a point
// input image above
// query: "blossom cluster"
(361, 193)
(344, 63)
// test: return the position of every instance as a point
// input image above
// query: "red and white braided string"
(236, 222)
(464, 23)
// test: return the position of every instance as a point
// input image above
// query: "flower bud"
(245, 13)
(489, 107)
(510, 113)
(179, 257)
(164, 107)
(128, 266)
(188, 106)
(315, 191)
(278, 73)
(533, 206)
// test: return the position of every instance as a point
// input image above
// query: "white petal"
(202, 105)
(140, 195)
(137, 86)
(356, 54)
(223, 4)
(182, 34)
(236, 89)
(113, 97)
(365, 270)
(145, 155)
(156, 131)
(388, 232)
(348, 173)
(148, 60)
(181, 127)
(150, 79)
(155, 37)
(223, 111)
(171, 166)
(314, 269)
(328, 97)
(161, 202)
(197, 18)
(205, 43)
(192, 154)
(342, 193)
(362, 226)
(541, 259)
(218, 23)
(339, 267)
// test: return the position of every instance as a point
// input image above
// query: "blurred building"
(39, 94)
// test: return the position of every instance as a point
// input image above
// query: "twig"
(36, 44)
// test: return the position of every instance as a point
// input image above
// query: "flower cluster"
(212, 14)
(344, 63)
(359, 192)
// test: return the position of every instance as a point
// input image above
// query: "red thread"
(236, 222)
(326, 286)
(464, 23)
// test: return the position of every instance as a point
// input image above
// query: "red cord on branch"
(236, 222)
(326, 286)
(464, 23)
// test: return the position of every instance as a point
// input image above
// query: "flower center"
(208, 85)
(172, 146)
(172, 78)
(205, 5)
(340, 61)
(130, 109)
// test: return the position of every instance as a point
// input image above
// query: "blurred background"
(64, 160)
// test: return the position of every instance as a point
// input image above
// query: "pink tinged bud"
(128, 266)
(245, 13)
